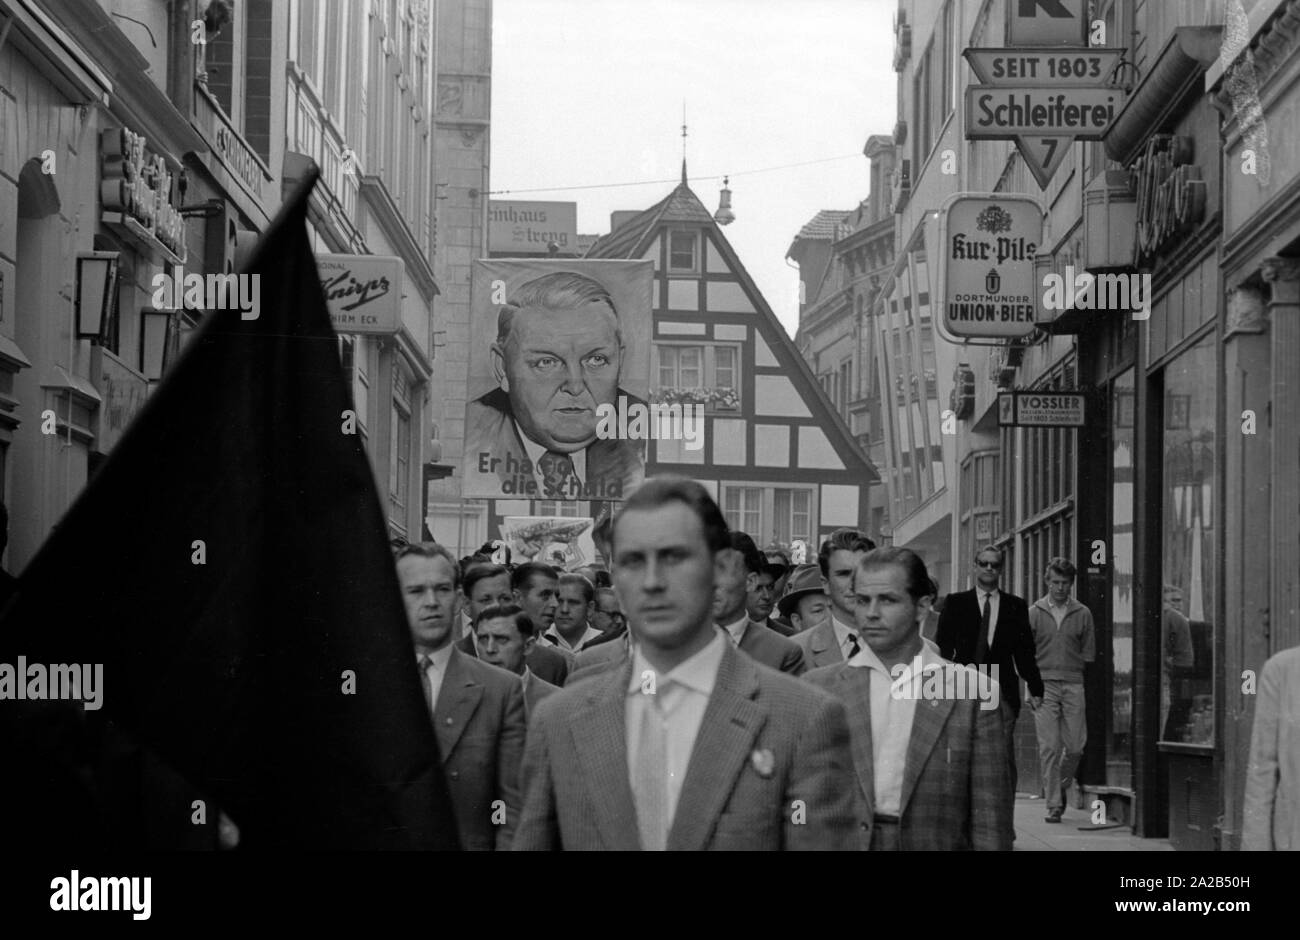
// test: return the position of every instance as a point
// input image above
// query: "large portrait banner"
(559, 350)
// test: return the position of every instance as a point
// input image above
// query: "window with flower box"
(706, 374)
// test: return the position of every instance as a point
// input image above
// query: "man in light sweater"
(1064, 640)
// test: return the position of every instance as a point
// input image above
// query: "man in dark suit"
(739, 566)
(836, 638)
(689, 745)
(486, 585)
(988, 627)
(477, 710)
(927, 737)
(557, 358)
(505, 635)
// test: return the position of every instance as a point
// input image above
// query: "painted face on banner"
(557, 366)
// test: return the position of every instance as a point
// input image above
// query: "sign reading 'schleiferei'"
(363, 292)
(986, 270)
(136, 183)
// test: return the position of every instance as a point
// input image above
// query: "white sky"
(590, 92)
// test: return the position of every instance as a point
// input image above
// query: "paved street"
(1074, 833)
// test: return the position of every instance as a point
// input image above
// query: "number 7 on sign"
(1043, 155)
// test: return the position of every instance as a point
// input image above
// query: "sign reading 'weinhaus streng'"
(986, 270)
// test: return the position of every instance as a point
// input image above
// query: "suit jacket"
(479, 720)
(536, 690)
(546, 662)
(614, 467)
(597, 659)
(1271, 815)
(819, 646)
(1013, 649)
(778, 626)
(577, 795)
(956, 780)
(771, 649)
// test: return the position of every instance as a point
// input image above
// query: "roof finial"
(683, 141)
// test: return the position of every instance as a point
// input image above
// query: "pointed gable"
(783, 433)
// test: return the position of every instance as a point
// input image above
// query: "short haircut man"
(987, 627)
(575, 600)
(557, 358)
(740, 565)
(956, 800)
(733, 745)
(836, 640)
(477, 711)
(506, 637)
(1065, 642)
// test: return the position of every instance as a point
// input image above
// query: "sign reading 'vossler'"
(986, 271)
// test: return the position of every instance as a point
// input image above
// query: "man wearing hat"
(761, 594)
(805, 603)
(739, 566)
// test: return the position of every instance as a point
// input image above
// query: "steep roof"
(681, 205)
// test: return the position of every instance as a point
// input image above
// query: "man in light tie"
(688, 744)
(836, 640)
(477, 710)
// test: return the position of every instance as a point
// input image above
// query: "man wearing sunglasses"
(988, 627)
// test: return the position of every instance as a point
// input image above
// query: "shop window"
(1188, 547)
(399, 448)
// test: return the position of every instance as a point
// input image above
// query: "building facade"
(359, 103)
(120, 163)
(780, 461)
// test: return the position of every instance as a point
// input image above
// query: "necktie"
(650, 782)
(558, 479)
(425, 682)
(982, 645)
(854, 649)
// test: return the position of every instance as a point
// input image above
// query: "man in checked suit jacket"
(689, 744)
(963, 637)
(927, 736)
(477, 710)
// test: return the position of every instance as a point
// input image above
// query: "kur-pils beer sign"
(986, 270)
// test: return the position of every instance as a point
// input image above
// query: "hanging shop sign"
(1044, 99)
(135, 193)
(1047, 22)
(987, 285)
(1047, 409)
(516, 227)
(363, 292)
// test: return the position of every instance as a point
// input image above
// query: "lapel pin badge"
(763, 761)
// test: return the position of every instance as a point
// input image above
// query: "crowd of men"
(701, 694)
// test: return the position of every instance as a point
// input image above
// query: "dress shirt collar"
(525, 677)
(842, 630)
(439, 657)
(699, 673)
(867, 657)
(536, 451)
(992, 595)
(737, 630)
(554, 633)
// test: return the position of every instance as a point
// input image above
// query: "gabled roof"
(681, 205)
(826, 226)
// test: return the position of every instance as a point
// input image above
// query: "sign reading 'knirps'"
(986, 274)
(363, 292)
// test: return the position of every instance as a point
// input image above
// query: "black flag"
(229, 567)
